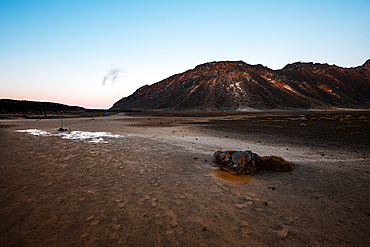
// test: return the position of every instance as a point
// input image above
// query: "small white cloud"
(112, 75)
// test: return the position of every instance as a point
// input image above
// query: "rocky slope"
(232, 85)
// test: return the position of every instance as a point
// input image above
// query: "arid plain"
(146, 179)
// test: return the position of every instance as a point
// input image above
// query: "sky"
(93, 53)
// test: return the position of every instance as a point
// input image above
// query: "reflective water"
(227, 176)
(92, 137)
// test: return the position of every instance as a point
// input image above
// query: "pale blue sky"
(60, 51)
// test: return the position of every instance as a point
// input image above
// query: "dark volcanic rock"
(235, 162)
(237, 85)
(242, 162)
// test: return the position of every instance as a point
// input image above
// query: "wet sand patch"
(226, 176)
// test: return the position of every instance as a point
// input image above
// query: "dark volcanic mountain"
(237, 85)
(8, 106)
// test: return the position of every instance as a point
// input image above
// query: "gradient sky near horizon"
(69, 51)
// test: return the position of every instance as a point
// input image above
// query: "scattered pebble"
(204, 229)
(117, 226)
(302, 125)
(266, 204)
(89, 218)
(245, 204)
(153, 203)
(300, 119)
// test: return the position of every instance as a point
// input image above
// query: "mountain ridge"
(233, 85)
(27, 106)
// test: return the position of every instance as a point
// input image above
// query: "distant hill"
(232, 85)
(10, 106)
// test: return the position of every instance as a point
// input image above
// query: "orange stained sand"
(227, 176)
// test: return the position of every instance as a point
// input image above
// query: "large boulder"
(235, 162)
(241, 162)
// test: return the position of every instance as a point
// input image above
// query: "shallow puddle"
(227, 176)
(93, 137)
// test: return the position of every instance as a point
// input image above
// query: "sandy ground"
(153, 184)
